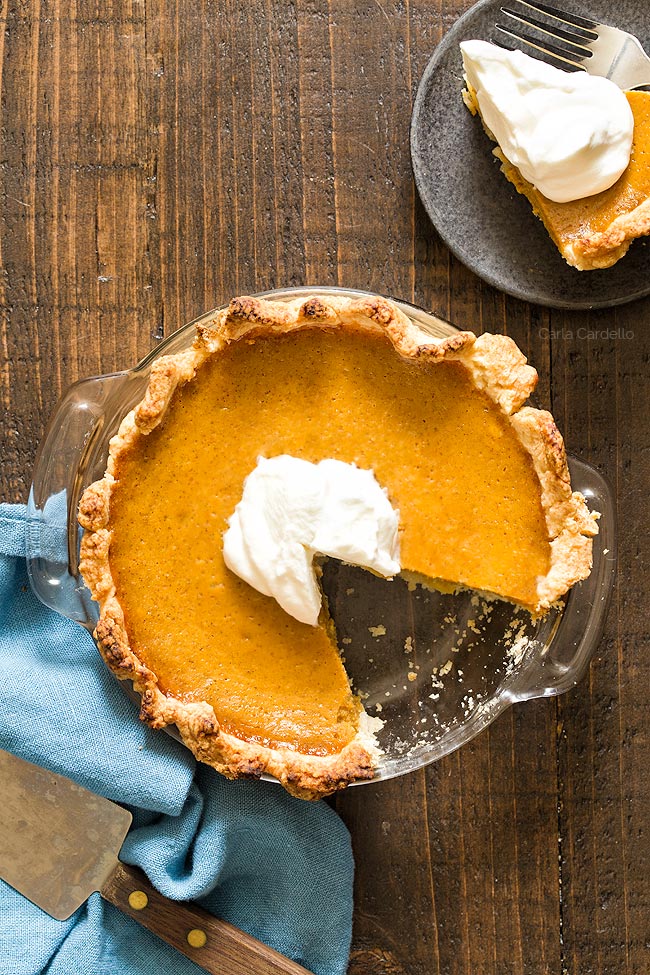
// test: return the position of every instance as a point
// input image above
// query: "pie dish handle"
(62, 470)
(580, 627)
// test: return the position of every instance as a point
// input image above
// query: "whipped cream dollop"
(292, 510)
(568, 133)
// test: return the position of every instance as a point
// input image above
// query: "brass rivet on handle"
(197, 938)
(138, 900)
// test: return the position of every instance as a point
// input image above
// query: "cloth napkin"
(275, 866)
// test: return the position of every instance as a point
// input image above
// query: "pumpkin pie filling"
(594, 214)
(465, 486)
(226, 663)
(587, 219)
(596, 231)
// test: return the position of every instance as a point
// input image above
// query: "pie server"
(59, 843)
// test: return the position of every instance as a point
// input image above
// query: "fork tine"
(557, 33)
(570, 20)
(565, 57)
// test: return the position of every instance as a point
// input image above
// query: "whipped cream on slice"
(568, 133)
(292, 510)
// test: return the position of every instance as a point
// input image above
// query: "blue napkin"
(278, 867)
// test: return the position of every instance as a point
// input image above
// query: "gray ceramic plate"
(476, 211)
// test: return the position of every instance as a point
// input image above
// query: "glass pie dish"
(436, 668)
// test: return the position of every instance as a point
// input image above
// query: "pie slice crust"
(597, 231)
(497, 370)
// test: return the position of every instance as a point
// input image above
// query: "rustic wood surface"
(157, 158)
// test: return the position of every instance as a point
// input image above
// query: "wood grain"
(158, 158)
(604, 752)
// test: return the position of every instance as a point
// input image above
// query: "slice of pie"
(596, 231)
(480, 482)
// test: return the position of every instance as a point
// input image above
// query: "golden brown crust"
(571, 525)
(497, 367)
(600, 250)
(589, 251)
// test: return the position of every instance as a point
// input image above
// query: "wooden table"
(158, 158)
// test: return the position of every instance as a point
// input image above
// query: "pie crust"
(497, 368)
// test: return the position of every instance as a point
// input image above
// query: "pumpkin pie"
(480, 481)
(596, 231)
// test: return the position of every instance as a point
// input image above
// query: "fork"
(582, 44)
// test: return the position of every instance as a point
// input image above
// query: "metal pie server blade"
(58, 842)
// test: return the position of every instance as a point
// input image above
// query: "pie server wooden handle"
(217, 946)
